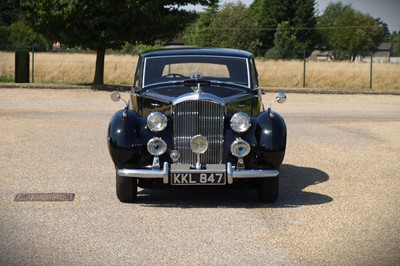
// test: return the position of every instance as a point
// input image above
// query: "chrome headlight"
(199, 144)
(157, 121)
(240, 148)
(156, 146)
(240, 122)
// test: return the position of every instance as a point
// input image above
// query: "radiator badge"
(174, 155)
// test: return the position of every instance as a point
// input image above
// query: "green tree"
(19, 35)
(4, 36)
(15, 33)
(356, 34)
(230, 27)
(395, 40)
(9, 12)
(304, 21)
(22, 36)
(327, 20)
(300, 15)
(285, 42)
(268, 14)
(385, 29)
(100, 25)
(199, 33)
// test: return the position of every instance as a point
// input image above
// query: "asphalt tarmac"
(339, 200)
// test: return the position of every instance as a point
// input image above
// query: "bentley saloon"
(195, 117)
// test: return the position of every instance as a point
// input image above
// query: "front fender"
(127, 138)
(271, 134)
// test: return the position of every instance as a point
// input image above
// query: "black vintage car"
(196, 117)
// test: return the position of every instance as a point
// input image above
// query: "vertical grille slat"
(192, 118)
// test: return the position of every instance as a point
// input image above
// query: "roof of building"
(385, 46)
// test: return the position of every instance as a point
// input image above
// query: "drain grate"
(44, 197)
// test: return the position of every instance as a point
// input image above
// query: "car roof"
(198, 51)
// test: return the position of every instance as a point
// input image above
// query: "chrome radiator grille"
(192, 118)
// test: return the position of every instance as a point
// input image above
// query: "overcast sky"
(387, 10)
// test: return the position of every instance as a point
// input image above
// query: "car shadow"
(293, 181)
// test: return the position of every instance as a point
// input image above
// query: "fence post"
(33, 64)
(370, 71)
(304, 69)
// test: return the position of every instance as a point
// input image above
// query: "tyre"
(126, 188)
(268, 189)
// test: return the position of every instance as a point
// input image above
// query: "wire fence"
(318, 70)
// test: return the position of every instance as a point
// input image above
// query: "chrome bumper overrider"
(165, 171)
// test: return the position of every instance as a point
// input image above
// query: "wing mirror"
(280, 98)
(116, 97)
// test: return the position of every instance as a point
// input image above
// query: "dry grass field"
(73, 68)
(329, 75)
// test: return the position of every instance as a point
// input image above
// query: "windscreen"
(180, 68)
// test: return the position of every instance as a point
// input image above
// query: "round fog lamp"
(156, 146)
(240, 148)
(199, 144)
(240, 122)
(157, 121)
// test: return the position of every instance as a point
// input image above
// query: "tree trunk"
(99, 72)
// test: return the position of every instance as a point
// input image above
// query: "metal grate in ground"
(44, 197)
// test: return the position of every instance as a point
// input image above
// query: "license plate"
(198, 178)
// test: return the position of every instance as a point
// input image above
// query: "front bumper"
(166, 171)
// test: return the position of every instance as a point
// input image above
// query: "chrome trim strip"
(144, 173)
(165, 173)
(255, 173)
(196, 171)
(229, 173)
(198, 97)
(233, 174)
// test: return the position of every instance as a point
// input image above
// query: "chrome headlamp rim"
(156, 146)
(240, 148)
(156, 121)
(240, 122)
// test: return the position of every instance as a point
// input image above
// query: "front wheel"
(268, 189)
(126, 188)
